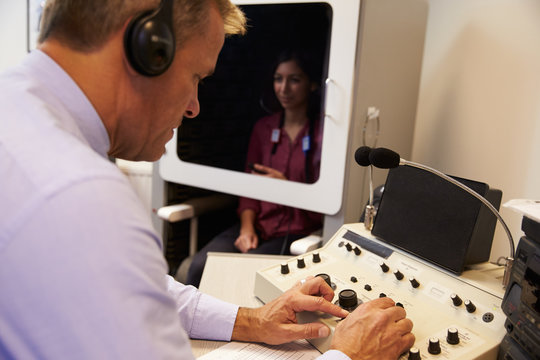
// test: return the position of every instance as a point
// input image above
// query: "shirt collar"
(51, 75)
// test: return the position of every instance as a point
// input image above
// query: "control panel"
(454, 316)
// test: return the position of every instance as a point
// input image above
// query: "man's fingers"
(404, 326)
(382, 303)
(315, 303)
(316, 286)
(396, 313)
(308, 331)
(407, 341)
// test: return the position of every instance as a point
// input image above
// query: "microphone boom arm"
(370, 212)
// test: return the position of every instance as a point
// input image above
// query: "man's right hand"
(376, 330)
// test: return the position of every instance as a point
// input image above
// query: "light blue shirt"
(81, 269)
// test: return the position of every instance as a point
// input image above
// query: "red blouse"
(289, 158)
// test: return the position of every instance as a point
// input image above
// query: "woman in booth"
(284, 145)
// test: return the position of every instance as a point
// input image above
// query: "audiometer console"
(454, 316)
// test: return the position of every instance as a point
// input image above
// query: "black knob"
(367, 287)
(470, 306)
(414, 354)
(414, 282)
(400, 305)
(348, 299)
(354, 279)
(434, 346)
(284, 268)
(316, 257)
(357, 250)
(326, 278)
(398, 274)
(456, 300)
(349, 247)
(381, 295)
(384, 267)
(452, 336)
(301, 263)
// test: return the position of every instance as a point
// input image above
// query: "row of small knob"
(434, 345)
(399, 275)
(356, 250)
(456, 300)
(300, 263)
(414, 283)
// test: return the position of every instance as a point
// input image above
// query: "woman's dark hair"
(313, 69)
(310, 66)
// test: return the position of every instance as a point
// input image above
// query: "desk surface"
(231, 277)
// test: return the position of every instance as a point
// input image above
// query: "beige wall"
(478, 114)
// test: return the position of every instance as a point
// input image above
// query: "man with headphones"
(82, 273)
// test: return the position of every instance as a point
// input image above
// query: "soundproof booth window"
(210, 151)
(240, 92)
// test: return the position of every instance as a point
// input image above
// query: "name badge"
(275, 136)
(306, 143)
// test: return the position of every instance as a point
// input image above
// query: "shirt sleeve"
(201, 315)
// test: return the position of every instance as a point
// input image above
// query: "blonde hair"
(85, 25)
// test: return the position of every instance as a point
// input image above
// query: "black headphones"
(149, 40)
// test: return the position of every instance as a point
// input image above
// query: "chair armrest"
(305, 244)
(195, 207)
(178, 212)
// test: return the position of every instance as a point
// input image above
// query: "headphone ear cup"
(149, 42)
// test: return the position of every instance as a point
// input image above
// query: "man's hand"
(276, 323)
(376, 330)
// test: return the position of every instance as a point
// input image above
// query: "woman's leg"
(274, 246)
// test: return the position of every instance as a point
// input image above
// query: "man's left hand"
(276, 322)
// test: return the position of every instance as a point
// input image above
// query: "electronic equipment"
(435, 220)
(455, 317)
(476, 247)
(521, 301)
(149, 40)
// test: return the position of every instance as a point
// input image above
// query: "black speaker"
(435, 220)
(149, 40)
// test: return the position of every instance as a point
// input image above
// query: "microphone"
(361, 155)
(387, 159)
(384, 158)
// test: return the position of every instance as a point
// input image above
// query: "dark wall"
(231, 99)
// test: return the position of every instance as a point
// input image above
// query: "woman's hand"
(246, 241)
(248, 238)
(267, 171)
